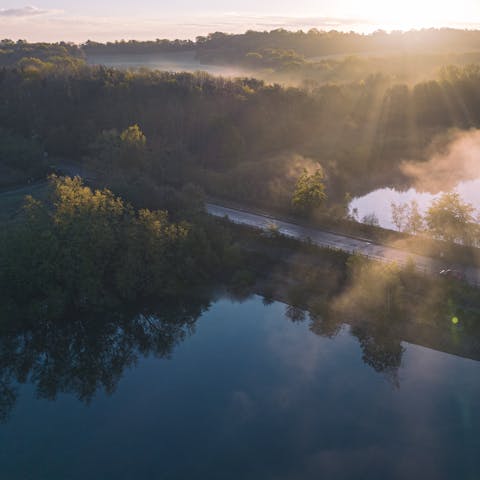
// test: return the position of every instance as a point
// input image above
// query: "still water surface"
(250, 394)
(379, 201)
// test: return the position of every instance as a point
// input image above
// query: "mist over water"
(452, 165)
(379, 201)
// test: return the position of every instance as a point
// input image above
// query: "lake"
(244, 393)
(379, 201)
(171, 62)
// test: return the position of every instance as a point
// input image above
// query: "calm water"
(250, 394)
(171, 62)
(379, 201)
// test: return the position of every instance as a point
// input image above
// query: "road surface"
(341, 242)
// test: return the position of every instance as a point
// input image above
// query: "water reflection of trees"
(81, 354)
(84, 353)
(381, 350)
(381, 344)
(385, 306)
(381, 335)
(373, 302)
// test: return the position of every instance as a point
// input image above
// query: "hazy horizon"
(56, 20)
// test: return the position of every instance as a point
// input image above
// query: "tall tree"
(309, 191)
(451, 219)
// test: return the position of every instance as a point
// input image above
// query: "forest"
(120, 265)
(165, 140)
(313, 43)
(243, 139)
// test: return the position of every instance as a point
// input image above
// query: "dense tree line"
(83, 249)
(12, 52)
(223, 47)
(319, 56)
(288, 67)
(448, 218)
(318, 43)
(243, 139)
(137, 47)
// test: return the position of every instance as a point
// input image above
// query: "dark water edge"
(245, 392)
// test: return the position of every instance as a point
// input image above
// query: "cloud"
(35, 24)
(28, 11)
(239, 23)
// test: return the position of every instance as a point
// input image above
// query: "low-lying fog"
(172, 62)
(452, 165)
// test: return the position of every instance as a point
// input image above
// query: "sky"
(102, 20)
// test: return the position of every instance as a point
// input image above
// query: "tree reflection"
(295, 314)
(379, 340)
(381, 349)
(324, 325)
(81, 354)
(382, 314)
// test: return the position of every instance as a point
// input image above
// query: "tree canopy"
(309, 191)
(84, 247)
(451, 219)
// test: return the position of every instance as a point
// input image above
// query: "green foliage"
(20, 158)
(11, 201)
(243, 139)
(407, 217)
(115, 154)
(415, 222)
(451, 219)
(134, 46)
(280, 60)
(133, 138)
(86, 247)
(309, 192)
(40, 55)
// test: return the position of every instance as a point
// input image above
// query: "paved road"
(341, 242)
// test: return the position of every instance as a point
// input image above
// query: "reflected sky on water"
(248, 393)
(380, 201)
